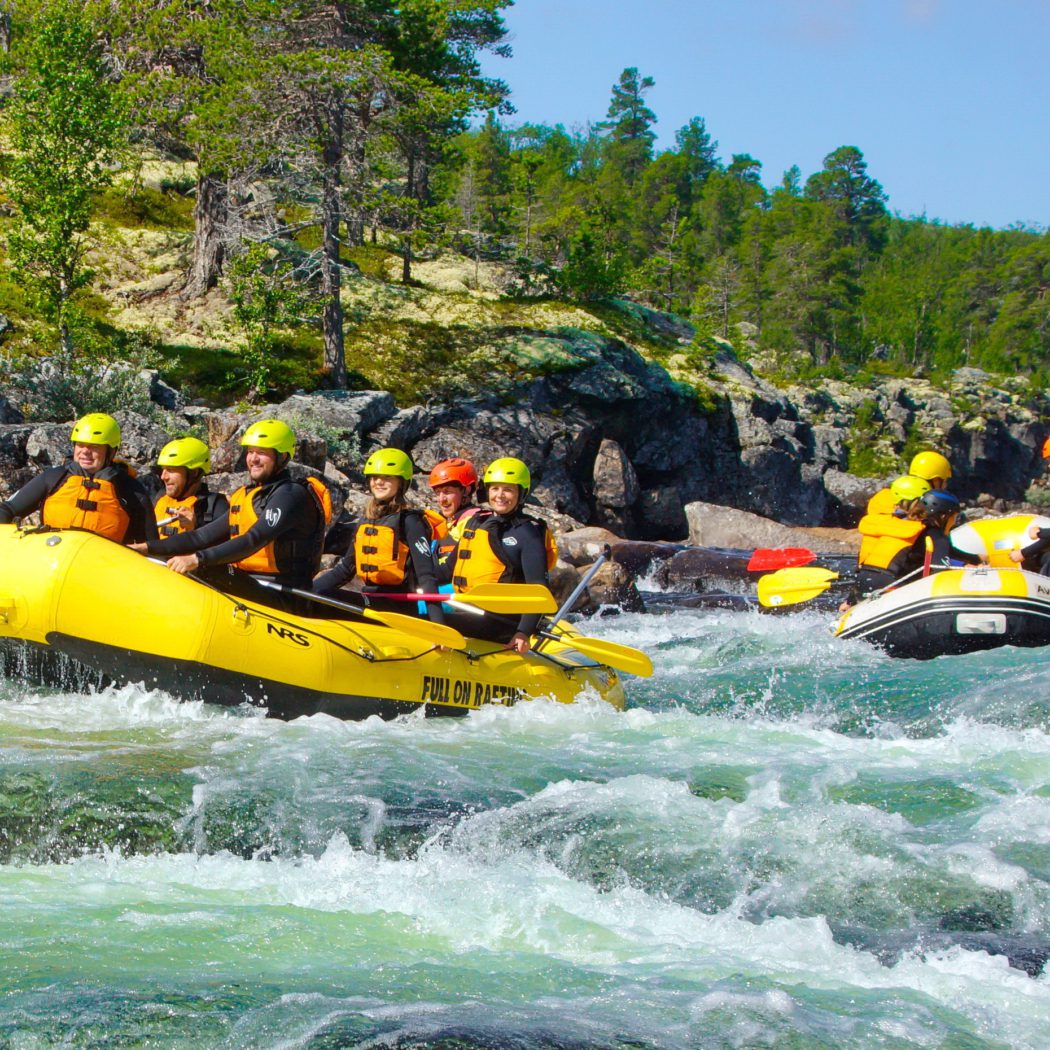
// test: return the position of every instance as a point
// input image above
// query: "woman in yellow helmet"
(504, 545)
(186, 503)
(92, 491)
(274, 526)
(391, 546)
(883, 536)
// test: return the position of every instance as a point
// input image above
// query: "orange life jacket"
(447, 540)
(165, 508)
(380, 551)
(243, 515)
(89, 503)
(882, 503)
(480, 560)
(884, 537)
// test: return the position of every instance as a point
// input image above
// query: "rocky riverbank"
(622, 452)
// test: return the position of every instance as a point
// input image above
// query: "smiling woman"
(391, 547)
(93, 491)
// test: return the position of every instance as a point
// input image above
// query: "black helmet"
(939, 504)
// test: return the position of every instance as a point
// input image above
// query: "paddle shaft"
(569, 602)
(566, 606)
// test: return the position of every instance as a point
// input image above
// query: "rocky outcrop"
(613, 440)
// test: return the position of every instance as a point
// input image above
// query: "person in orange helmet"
(454, 483)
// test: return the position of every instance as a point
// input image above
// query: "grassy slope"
(434, 337)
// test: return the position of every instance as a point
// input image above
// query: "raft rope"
(368, 655)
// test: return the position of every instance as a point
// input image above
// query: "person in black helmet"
(937, 510)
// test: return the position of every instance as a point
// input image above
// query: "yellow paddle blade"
(509, 598)
(612, 654)
(791, 586)
(434, 633)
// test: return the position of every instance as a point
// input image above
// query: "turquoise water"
(785, 841)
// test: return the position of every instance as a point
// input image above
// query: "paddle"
(792, 585)
(435, 633)
(766, 558)
(491, 597)
(612, 654)
(927, 559)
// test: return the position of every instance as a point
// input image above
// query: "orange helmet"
(1046, 449)
(460, 471)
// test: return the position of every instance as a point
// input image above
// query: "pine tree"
(67, 126)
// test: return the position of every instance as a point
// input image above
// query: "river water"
(786, 841)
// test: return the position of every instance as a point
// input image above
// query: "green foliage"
(66, 128)
(65, 386)
(343, 447)
(144, 208)
(1038, 496)
(868, 456)
(591, 271)
(266, 296)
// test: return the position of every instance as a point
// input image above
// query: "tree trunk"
(332, 313)
(210, 213)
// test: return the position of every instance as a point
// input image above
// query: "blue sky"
(948, 99)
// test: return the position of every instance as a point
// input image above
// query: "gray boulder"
(711, 525)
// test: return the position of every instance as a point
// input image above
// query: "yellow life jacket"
(882, 502)
(165, 508)
(885, 537)
(243, 515)
(447, 540)
(88, 503)
(380, 551)
(480, 560)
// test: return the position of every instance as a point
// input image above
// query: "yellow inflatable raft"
(76, 601)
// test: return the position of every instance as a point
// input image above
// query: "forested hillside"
(813, 268)
(299, 166)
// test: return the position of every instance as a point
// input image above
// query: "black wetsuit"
(420, 571)
(132, 496)
(288, 517)
(1037, 553)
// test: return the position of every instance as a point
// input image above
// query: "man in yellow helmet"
(274, 526)
(504, 545)
(186, 502)
(931, 467)
(92, 491)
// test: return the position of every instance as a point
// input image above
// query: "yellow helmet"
(188, 452)
(908, 488)
(270, 433)
(96, 428)
(389, 462)
(930, 465)
(509, 471)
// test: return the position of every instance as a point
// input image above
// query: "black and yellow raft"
(961, 610)
(75, 604)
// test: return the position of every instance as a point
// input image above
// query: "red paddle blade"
(766, 558)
